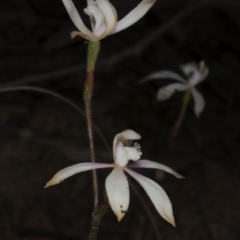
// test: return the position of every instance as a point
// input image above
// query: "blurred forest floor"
(40, 134)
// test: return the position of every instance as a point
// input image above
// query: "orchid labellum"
(116, 183)
(103, 18)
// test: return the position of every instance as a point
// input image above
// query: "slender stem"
(93, 50)
(99, 212)
(179, 121)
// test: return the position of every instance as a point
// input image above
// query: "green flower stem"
(93, 50)
(178, 123)
(99, 212)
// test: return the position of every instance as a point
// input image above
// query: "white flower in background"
(116, 183)
(103, 18)
(194, 73)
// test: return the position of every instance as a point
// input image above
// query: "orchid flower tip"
(48, 184)
(74, 34)
(172, 221)
(119, 218)
(180, 176)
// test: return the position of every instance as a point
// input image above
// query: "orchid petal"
(199, 102)
(118, 192)
(165, 93)
(155, 165)
(73, 13)
(132, 17)
(164, 74)
(157, 195)
(77, 168)
(110, 15)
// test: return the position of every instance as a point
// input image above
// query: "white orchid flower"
(103, 18)
(195, 74)
(116, 183)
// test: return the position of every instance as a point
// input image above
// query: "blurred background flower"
(194, 75)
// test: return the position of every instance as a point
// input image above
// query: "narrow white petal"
(73, 13)
(165, 93)
(118, 192)
(199, 102)
(155, 165)
(136, 14)
(110, 15)
(77, 168)
(157, 195)
(164, 74)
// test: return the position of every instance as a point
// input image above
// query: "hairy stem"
(99, 212)
(181, 116)
(93, 49)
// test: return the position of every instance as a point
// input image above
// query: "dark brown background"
(40, 134)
